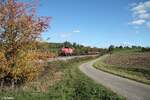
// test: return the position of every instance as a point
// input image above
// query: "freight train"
(68, 51)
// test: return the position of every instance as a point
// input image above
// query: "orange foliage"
(20, 29)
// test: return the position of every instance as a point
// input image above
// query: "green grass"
(126, 50)
(73, 86)
(126, 72)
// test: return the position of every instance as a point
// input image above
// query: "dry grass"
(48, 77)
(42, 85)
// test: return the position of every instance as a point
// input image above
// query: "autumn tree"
(20, 30)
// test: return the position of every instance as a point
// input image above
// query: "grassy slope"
(74, 86)
(127, 72)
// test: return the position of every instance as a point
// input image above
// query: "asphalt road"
(130, 89)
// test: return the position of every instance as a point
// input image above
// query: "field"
(62, 81)
(132, 65)
(133, 60)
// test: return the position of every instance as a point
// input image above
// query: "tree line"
(78, 48)
(112, 48)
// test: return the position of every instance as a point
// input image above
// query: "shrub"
(145, 49)
(20, 29)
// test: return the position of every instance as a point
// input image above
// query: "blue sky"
(97, 23)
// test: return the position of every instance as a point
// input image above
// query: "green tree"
(110, 49)
(67, 44)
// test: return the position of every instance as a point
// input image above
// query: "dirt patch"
(136, 60)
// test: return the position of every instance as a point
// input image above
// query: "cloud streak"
(68, 34)
(138, 22)
(65, 35)
(76, 31)
(141, 14)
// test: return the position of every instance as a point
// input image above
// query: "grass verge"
(73, 86)
(125, 72)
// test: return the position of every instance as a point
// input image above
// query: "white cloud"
(138, 22)
(68, 34)
(142, 7)
(76, 31)
(141, 13)
(65, 35)
(144, 16)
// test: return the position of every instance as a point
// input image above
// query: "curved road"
(130, 89)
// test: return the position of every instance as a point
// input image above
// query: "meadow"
(62, 81)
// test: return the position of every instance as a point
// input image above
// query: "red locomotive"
(66, 51)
